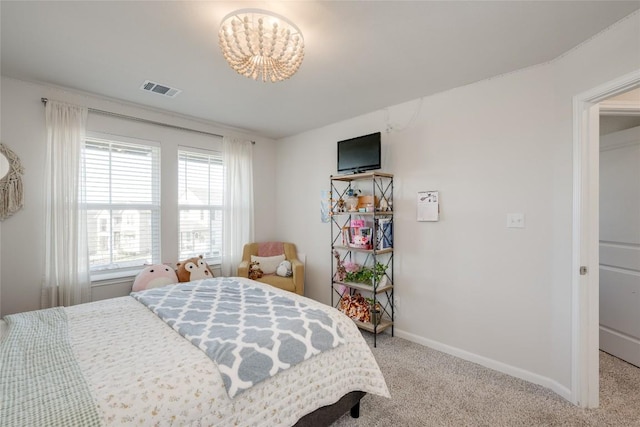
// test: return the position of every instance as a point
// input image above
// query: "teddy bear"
(254, 270)
(193, 269)
(154, 276)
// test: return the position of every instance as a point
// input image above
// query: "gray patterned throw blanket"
(250, 332)
(41, 383)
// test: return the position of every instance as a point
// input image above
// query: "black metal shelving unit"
(380, 218)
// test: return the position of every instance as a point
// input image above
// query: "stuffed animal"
(154, 276)
(284, 269)
(356, 307)
(361, 241)
(193, 269)
(254, 270)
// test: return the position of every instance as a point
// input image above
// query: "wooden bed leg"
(355, 410)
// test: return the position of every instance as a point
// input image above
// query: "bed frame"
(327, 415)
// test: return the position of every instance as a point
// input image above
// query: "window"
(200, 192)
(121, 182)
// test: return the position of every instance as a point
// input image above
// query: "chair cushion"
(268, 264)
(279, 282)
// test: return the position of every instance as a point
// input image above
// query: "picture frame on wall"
(428, 206)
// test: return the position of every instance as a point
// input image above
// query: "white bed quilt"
(142, 372)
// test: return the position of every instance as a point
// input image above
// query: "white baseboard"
(531, 377)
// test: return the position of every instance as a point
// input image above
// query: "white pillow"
(268, 264)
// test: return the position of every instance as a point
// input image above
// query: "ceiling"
(359, 56)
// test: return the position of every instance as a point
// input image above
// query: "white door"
(620, 244)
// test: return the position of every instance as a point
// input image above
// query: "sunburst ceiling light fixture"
(260, 44)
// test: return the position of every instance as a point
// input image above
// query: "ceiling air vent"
(163, 90)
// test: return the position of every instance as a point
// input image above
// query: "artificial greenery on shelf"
(353, 272)
(364, 274)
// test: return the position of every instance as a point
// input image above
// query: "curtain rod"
(152, 122)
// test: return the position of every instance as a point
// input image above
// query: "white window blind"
(122, 187)
(200, 196)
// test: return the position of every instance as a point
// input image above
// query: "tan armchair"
(294, 283)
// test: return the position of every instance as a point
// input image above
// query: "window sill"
(111, 277)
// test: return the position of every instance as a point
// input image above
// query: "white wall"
(23, 130)
(467, 284)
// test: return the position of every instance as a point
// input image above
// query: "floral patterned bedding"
(140, 371)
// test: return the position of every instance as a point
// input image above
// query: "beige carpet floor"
(430, 388)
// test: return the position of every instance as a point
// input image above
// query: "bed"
(139, 370)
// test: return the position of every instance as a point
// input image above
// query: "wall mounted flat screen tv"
(359, 154)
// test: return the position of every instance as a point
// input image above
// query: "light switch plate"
(515, 220)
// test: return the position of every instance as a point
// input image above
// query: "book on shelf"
(366, 232)
(385, 233)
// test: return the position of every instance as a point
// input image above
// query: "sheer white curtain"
(237, 225)
(66, 277)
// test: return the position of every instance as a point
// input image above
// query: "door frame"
(585, 384)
